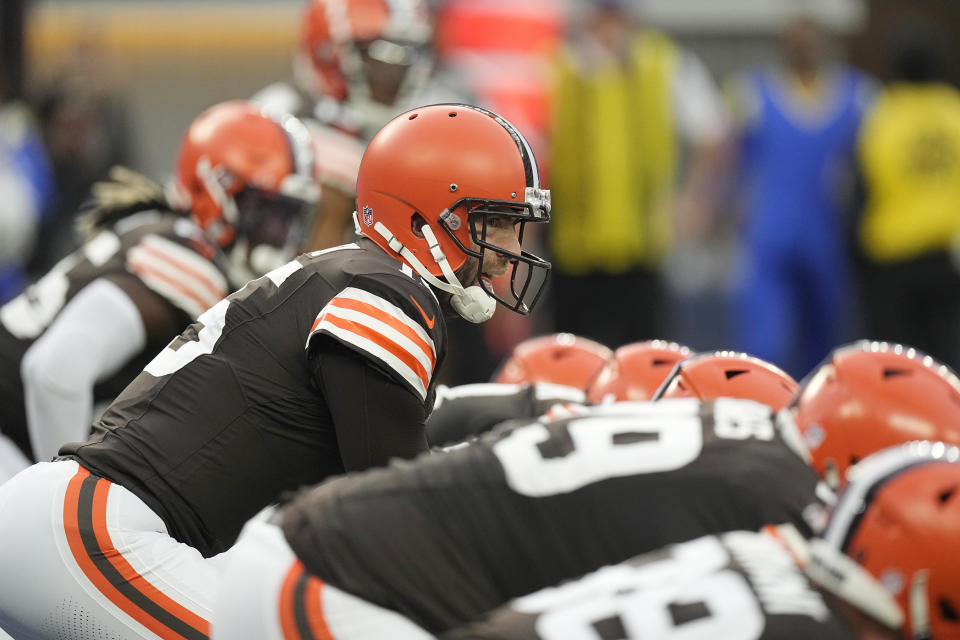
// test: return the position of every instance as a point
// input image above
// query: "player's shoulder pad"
(179, 268)
(391, 318)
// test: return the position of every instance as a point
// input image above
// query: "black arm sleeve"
(375, 417)
(471, 413)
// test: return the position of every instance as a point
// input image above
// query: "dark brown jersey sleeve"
(376, 418)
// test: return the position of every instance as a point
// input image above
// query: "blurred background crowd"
(727, 174)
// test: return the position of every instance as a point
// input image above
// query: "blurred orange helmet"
(341, 41)
(729, 374)
(636, 371)
(899, 517)
(428, 183)
(870, 395)
(247, 178)
(561, 358)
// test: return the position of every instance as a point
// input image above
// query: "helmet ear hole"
(946, 495)
(416, 225)
(948, 611)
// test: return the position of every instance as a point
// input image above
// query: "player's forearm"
(375, 417)
(95, 334)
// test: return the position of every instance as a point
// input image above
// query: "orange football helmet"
(730, 374)
(871, 395)
(365, 52)
(429, 183)
(636, 371)
(247, 178)
(561, 358)
(899, 517)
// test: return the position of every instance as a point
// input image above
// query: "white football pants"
(12, 460)
(266, 594)
(83, 558)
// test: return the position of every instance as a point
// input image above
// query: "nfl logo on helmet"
(367, 216)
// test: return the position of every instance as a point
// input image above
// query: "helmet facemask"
(369, 56)
(381, 75)
(392, 70)
(527, 272)
(272, 225)
(268, 228)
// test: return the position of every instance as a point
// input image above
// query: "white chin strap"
(472, 303)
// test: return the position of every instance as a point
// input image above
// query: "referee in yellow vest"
(625, 97)
(909, 151)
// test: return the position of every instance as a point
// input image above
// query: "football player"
(869, 395)
(358, 63)
(322, 366)
(729, 374)
(240, 196)
(774, 584)
(636, 371)
(540, 373)
(446, 538)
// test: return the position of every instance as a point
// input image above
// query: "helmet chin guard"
(474, 304)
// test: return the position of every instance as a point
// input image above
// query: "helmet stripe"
(871, 475)
(530, 169)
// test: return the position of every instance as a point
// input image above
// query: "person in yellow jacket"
(625, 99)
(909, 151)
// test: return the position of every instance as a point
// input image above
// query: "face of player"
(501, 231)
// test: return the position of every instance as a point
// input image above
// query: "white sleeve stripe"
(427, 359)
(405, 372)
(142, 260)
(182, 299)
(352, 293)
(198, 268)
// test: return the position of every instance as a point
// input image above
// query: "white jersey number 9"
(621, 440)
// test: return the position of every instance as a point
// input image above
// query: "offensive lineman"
(427, 546)
(322, 366)
(269, 583)
(152, 265)
(736, 586)
(774, 585)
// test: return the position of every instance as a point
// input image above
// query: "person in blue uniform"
(797, 131)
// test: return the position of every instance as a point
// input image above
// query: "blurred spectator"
(26, 193)
(86, 132)
(796, 132)
(908, 234)
(625, 97)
